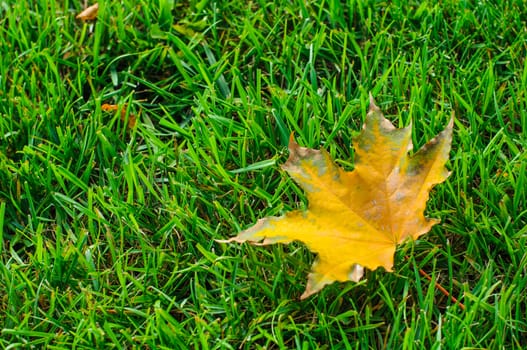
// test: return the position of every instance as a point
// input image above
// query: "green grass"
(108, 233)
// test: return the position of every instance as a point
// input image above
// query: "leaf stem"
(442, 289)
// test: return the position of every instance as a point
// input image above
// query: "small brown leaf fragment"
(109, 107)
(89, 13)
(112, 108)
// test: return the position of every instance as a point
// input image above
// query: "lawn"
(129, 144)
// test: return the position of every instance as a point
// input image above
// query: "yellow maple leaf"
(356, 219)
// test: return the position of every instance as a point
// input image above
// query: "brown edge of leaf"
(89, 13)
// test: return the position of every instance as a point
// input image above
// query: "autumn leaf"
(89, 13)
(356, 219)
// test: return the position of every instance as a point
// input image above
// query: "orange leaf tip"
(373, 106)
